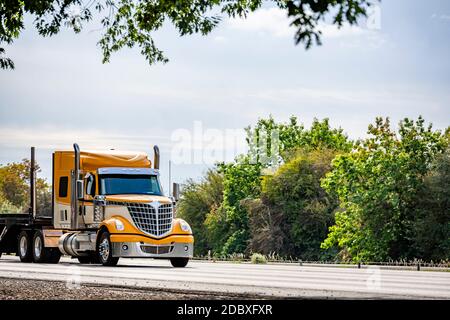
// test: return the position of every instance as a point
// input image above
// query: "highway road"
(270, 280)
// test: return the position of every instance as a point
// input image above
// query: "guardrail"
(414, 264)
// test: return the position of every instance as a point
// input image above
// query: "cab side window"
(63, 186)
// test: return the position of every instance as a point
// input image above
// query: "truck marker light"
(119, 225)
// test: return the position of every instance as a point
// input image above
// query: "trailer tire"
(24, 249)
(104, 250)
(41, 254)
(179, 262)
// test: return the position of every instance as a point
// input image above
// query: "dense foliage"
(293, 213)
(319, 196)
(380, 187)
(251, 210)
(14, 189)
(129, 23)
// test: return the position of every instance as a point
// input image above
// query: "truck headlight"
(185, 226)
(119, 225)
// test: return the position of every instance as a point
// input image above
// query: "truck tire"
(84, 260)
(41, 254)
(90, 259)
(104, 250)
(55, 255)
(179, 262)
(24, 247)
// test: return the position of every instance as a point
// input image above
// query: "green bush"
(258, 258)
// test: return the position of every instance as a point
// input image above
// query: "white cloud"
(271, 21)
(274, 22)
(440, 16)
(220, 39)
(60, 138)
(333, 31)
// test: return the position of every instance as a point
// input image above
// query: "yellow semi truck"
(105, 205)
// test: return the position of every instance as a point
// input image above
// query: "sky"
(395, 64)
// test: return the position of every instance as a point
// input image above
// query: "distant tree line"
(326, 197)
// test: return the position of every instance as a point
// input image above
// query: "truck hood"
(137, 198)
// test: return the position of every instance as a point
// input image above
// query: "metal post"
(32, 210)
(170, 178)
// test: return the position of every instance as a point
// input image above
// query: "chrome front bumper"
(139, 250)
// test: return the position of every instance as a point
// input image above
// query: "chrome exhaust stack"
(77, 189)
(156, 157)
(32, 210)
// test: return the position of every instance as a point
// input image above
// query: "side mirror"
(176, 191)
(80, 189)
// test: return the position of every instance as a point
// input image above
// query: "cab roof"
(91, 160)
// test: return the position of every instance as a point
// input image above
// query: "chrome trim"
(154, 219)
(23, 247)
(125, 170)
(135, 250)
(37, 247)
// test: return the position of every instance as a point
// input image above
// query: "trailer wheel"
(41, 254)
(179, 262)
(24, 247)
(104, 250)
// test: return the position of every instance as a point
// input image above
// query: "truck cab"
(105, 205)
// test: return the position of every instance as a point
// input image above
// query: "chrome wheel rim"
(104, 249)
(37, 247)
(23, 246)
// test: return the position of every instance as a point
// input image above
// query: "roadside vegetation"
(324, 197)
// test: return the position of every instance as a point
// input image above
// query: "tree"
(231, 226)
(129, 23)
(228, 224)
(294, 213)
(431, 227)
(14, 189)
(198, 199)
(379, 185)
(268, 137)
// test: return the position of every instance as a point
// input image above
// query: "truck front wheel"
(179, 262)
(104, 250)
(24, 247)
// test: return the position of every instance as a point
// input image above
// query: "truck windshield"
(129, 184)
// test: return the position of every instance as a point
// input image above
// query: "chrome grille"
(156, 249)
(153, 220)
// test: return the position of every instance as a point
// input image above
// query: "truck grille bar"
(155, 220)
